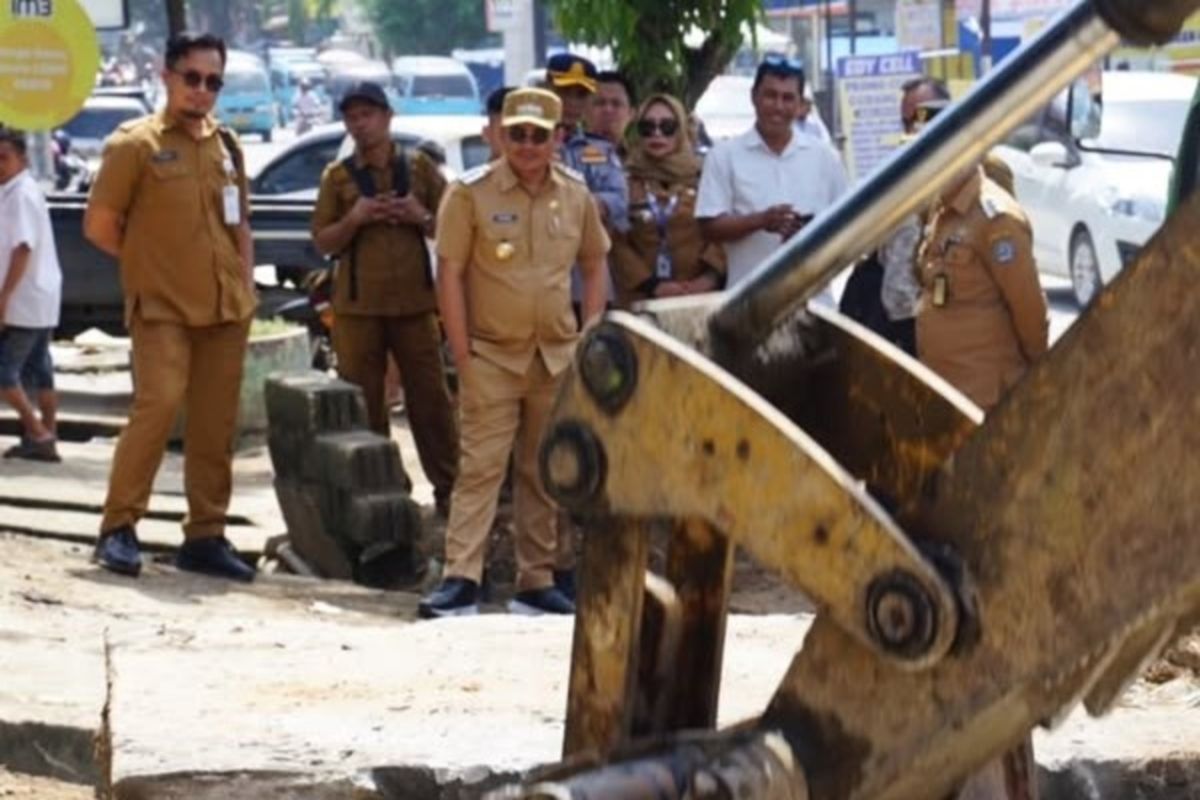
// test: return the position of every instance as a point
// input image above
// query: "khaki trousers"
(362, 344)
(176, 366)
(497, 409)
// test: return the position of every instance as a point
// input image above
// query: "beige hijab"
(682, 165)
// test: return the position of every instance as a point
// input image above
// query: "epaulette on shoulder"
(991, 209)
(130, 124)
(570, 173)
(475, 175)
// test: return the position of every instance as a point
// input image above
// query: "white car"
(725, 108)
(1094, 203)
(295, 172)
(95, 122)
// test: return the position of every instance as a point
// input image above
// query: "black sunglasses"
(521, 135)
(648, 127)
(193, 79)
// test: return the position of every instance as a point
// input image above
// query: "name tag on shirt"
(232, 205)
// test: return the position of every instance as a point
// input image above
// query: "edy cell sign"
(48, 60)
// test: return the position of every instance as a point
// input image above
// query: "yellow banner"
(48, 61)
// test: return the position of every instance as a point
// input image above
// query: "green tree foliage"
(410, 27)
(648, 38)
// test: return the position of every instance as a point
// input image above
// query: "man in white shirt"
(30, 296)
(808, 119)
(760, 188)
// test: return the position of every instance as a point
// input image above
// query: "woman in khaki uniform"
(663, 254)
(982, 317)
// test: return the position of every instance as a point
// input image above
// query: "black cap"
(568, 69)
(368, 92)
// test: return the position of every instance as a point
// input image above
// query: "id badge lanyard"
(662, 261)
(231, 200)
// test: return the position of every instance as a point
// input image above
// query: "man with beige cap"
(509, 234)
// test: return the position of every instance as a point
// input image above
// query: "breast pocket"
(564, 232)
(501, 243)
(172, 189)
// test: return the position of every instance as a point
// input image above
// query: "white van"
(435, 85)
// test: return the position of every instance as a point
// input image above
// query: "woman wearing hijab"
(664, 253)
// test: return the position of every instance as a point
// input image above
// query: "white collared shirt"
(37, 298)
(814, 126)
(744, 176)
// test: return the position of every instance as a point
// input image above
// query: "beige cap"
(532, 107)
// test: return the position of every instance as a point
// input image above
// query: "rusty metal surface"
(888, 420)
(820, 529)
(745, 764)
(700, 570)
(606, 645)
(1074, 508)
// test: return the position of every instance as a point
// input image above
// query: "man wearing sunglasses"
(509, 235)
(758, 189)
(574, 79)
(170, 203)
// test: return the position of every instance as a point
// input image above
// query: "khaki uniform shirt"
(519, 249)
(982, 317)
(635, 254)
(391, 262)
(179, 259)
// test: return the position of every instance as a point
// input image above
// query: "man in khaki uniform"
(982, 317)
(508, 237)
(170, 202)
(383, 296)
(981, 322)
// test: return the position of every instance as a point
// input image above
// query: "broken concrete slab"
(306, 690)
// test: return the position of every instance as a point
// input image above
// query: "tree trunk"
(702, 65)
(176, 16)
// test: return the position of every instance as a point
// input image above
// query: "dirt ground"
(23, 787)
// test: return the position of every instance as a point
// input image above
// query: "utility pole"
(539, 32)
(852, 10)
(985, 42)
(176, 16)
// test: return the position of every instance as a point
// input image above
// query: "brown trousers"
(499, 408)
(362, 344)
(174, 367)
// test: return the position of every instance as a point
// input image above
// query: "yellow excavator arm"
(974, 577)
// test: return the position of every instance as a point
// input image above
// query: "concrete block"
(360, 460)
(308, 533)
(312, 402)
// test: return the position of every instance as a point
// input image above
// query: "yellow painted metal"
(691, 442)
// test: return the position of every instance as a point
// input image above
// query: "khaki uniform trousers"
(176, 366)
(362, 344)
(497, 409)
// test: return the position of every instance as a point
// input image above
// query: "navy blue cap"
(368, 92)
(568, 69)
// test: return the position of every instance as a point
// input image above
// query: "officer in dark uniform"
(573, 79)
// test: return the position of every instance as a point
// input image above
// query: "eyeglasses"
(193, 79)
(518, 135)
(783, 64)
(648, 127)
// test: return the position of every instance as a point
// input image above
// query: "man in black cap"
(573, 79)
(374, 211)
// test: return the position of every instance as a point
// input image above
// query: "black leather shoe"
(213, 556)
(564, 581)
(536, 602)
(454, 597)
(117, 550)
